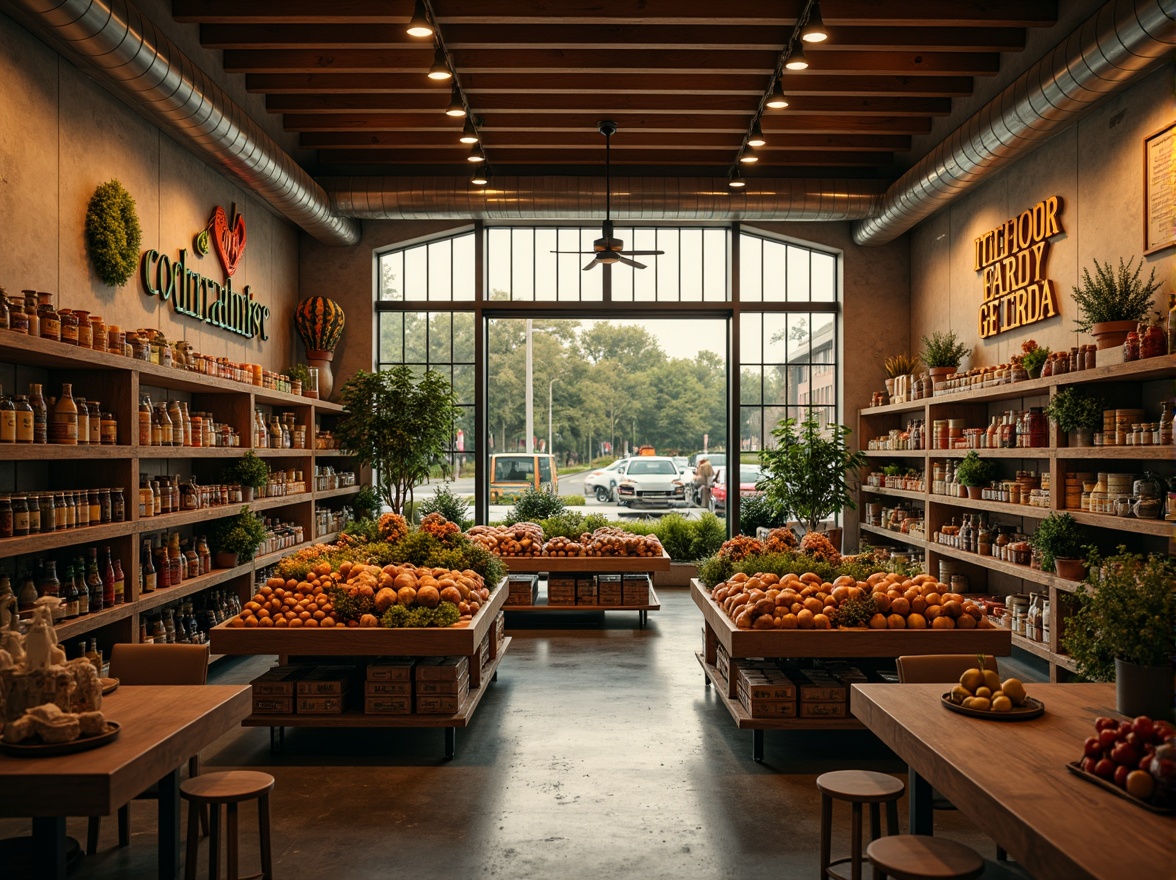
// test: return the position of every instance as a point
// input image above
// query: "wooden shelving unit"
(118, 382)
(1140, 384)
(591, 565)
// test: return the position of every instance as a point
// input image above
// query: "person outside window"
(704, 476)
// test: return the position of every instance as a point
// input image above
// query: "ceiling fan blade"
(591, 263)
(643, 253)
(574, 252)
(629, 262)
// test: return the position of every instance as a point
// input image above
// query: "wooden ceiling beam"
(544, 61)
(307, 36)
(633, 139)
(858, 13)
(595, 157)
(485, 104)
(692, 83)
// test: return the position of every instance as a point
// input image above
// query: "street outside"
(570, 484)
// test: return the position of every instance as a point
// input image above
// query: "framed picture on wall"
(1159, 190)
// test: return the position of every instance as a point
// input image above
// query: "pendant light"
(748, 157)
(735, 179)
(777, 100)
(814, 29)
(456, 108)
(419, 25)
(480, 177)
(469, 134)
(440, 68)
(796, 59)
(476, 154)
(756, 138)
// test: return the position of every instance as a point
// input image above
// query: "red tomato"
(1105, 768)
(1143, 727)
(1093, 747)
(1120, 775)
(1108, 736)
(1126, 754)
(1088, 764)
(1105, 722)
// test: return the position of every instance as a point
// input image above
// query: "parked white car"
(652, 480)
(603, 482)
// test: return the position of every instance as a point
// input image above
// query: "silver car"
(602, 482)
(652, 480)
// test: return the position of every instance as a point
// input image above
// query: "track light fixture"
(748, 157)
(814, 29)
(456, 106)
(476, 154)
(440, 69)
(735, 179)
(480, 177)
(777, 100)
(418, 25)
(796, 59)
(756, 137)
(469, 134)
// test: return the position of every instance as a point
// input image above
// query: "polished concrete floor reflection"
(598, 753)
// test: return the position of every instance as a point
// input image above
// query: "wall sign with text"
(198, 296)
(1012, 259)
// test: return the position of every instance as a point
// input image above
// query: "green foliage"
(697, 539)
(943, 349)
(892, 470)
(366, 503)
(349, 607)
(366, 529)
(1113, 295)
(1128, 614)
(1072, 410)
(570, 524)
(1058, 535)
(974, 470)
(857, 612)
(241, 534)
(714, 570)
(400, 425)
(1033, 359)
(416, 547)
(709, 534)
(534, 505)
(248, 470)
(445, 614)
(805, 473)
(756, 511)
(901, 365)
(113, 235)
(299, 373)
(676, 536)
(453, 507)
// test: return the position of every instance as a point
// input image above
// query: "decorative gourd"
(319, 322)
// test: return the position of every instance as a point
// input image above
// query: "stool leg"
(231, 841)
(892, 817)
(263, 821)
(193, 841)
(826, 833)
(856, 851)
(92, 827)
(124, 825)
(214, 842)
(875, 822)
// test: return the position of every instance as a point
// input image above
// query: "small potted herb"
(1033, 357)
(1076, 414)
(974, 473)
(942, 353)
(899, 365)
(1112, 303)
(236, 538)
(250, 471)
(299, 377)
(1059, 539)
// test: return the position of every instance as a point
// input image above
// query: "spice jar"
(109, 429)
(20, 516)
(48, 320)
(97, 333)
(69, 326)
(1131, 347)
(118, 505)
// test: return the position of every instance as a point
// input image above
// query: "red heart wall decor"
(229, 242)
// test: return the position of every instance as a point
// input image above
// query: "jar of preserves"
(20, 516)
(1038, 427)
(6, 522)
(97, 333)
(1153, 342)
(109, 429)
(118, 505)
(48, 320)
(1131, 347)
(69, 326)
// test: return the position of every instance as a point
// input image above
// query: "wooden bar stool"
(230, 787)
(919, 857)
(858, 787)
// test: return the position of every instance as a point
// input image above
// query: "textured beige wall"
(61, 135)
(1096, 167)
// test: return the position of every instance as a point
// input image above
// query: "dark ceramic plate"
(1032, 709)
(109, 685)
(45, 750)
(1076, 768)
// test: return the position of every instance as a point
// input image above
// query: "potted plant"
(1112, 303)
(942, 353)
(805, 474)
(299, 378)
(1122, 628)
(1059, 539)
(1075, 414)
(401, 425)
(236, 538)
(1033, 357)
(250, 471)
(899, 365)
(366, 504)
(974, 473)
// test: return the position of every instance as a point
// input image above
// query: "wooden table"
(1010, 779)
(161, 728)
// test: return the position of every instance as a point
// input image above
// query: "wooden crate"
(608, 589)
(273, 705)
(442, 669)
(326, 681)
(635, 589)
(387, 689)
(323, 704)
(390, 669)
(586, 590)
(433, 688)
(823, 710)
(281, 681)
(497, 634)
(387, 705)
(522, 589)
(442, 704)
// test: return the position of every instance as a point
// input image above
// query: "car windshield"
(639, 467)
(749, 474)
(509, 469)
(681, 462)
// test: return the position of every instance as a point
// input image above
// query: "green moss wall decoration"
(112, 233)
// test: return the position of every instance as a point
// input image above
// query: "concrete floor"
(598, 753)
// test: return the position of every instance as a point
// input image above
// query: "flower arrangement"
(1032, 357)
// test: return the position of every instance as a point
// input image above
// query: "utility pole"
(550, 448)
(530, 396)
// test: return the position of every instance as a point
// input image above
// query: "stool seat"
(919, 857)
(227, 787)
(864, 786)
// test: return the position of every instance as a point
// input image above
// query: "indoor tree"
(400, 425)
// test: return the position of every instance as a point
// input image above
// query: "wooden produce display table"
(159, 729)
(1011, 781)
(462, 640)
(590, 565)
(720, 630)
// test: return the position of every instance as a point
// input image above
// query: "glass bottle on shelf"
(120, 583)
(64, 429)
(145, 421)
(162, 567)
(79, 579)
(1165, 425)
(95, 413)
(70, 594)
(169, 625)
(205, 554)
(107, 573)
(47, 317)
(7, 418)
(176, 416)
(166, 426)
(83, 409)
(40, 413)
(92, 654)
(26, 596)
(20, 516)
(30, 310)
(94, 582)
(158, 633)
(147, 569)
(24, 419)
(174, 559)
(186, 418)
(156, 498)
(191, 561)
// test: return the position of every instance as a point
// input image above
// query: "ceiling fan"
(609, 250)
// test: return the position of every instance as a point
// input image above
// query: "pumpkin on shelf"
(319, 322)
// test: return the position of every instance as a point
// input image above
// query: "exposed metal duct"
(1124, 39)
(141, 63)
(633, 198)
